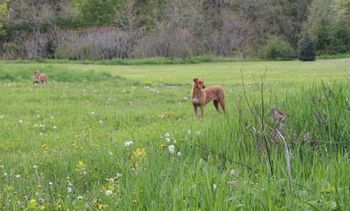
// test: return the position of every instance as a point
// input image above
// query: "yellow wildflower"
(32, 203)
(139, 154)
(81, 165)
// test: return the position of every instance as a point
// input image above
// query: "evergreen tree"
(307, 50)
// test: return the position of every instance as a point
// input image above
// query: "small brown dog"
(201, 96)
(39, 78)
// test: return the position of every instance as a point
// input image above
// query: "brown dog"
(39, 78)
(201, 96)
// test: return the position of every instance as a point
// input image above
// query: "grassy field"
(123, 137)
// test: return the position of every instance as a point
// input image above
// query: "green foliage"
(277, 48)
(98, 12)
(307, 51)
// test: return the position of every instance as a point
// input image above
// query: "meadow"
(123, 137)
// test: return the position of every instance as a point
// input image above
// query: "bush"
(277, 48)
(307, 50)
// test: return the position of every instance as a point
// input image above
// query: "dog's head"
(199, 83)
(35, 73)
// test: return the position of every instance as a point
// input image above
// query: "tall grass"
(63, 147)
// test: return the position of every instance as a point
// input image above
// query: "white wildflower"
(54, 127)
(20, 121)
(111, 180)
(214, 187)
(41, 126)
(79, 197)
(167, 135)
(198, 132)
(171, 149)
(38, 116)
(35, 167)
(179, 154)
(108, 192)
(101, 122)
(128, 143)
(5, 174)
(41, 134)
(50, 183)
(110, 153)
(69, 189)
(167, 140)
(18, 176)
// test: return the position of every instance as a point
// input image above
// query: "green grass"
(63, 146)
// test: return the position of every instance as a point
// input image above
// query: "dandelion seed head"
(80, 197)
(128, 143)
(108, 192)
(167, 135)
(171, 149)
(35, 167)
(69, 189)
(20, 121)
(167, 140)
(18, 176)
(179, 154)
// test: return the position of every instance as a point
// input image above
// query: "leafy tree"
(277, 48)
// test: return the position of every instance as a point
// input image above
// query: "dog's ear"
(195, 79)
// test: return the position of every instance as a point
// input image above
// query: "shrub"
(277, 48)
(307, 50)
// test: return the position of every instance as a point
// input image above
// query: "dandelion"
(81, 165)
(198, 132)
(93, 113)
(41, 134)
(110, 153)
(128, 143)
(35, 167)
(41, 126)
(80, 197)
(69, 189)
(54, 127)
(32, 203)
(50, 183)
(167, 135)
(101, 122)
(111, 180)
(38, 116)
(20, 121)
(5, 174)
(108, 192)
(171, 149)
(167, 140)
(179, 154)
(18, 176)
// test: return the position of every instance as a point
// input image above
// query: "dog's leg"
(195, 110)
(216, 104)
(202, 111)
(222, 103)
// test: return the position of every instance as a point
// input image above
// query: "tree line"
(108, 29)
